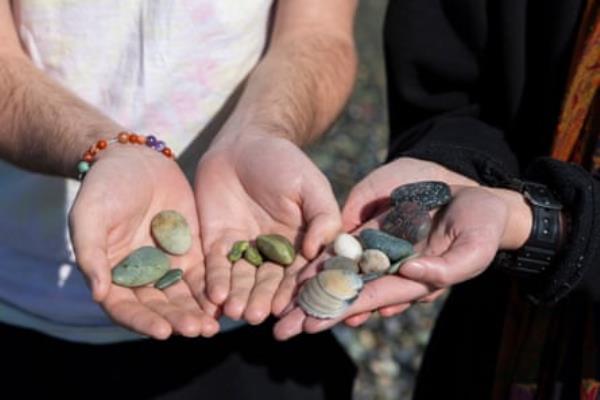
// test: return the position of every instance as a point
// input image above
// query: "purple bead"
(160, 145)
(150, 141)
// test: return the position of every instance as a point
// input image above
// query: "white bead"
(347, 246)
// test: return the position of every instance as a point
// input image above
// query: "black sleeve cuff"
(578, 262)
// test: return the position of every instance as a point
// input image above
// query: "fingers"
(218, 270)
(89, 236)
(290, 325)
(467, 256)
(125, 309)
(243, 276)
(322, 215)
(358, 319)
(268, 278)
(392, 311)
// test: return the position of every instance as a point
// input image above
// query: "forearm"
(297, 90)
(45, 127)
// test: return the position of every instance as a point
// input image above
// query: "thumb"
(362, 204)
(322, 215)
(89, 243)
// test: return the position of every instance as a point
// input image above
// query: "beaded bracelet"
(124, 137)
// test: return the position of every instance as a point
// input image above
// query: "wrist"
(520, 219)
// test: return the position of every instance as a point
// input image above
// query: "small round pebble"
(374, 261)
(346, 245)
(172, 232)
(428, 194)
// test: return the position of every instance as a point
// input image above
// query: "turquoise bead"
(83, 167)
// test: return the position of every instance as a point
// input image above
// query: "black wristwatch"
(536, 255)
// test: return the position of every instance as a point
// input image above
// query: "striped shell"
(330, 293)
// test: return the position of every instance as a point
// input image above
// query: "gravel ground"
(388, 352)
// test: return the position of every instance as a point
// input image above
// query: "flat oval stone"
(428, 194)
(374, 261)
(341, 262)
(393, 247)
(253, 256)
(408, 221)
(169, 279)
(348, 246)
(143, 266)
(276, 248)
(237, 250)
(172, 232)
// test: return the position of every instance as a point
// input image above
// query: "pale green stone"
(145, 265)
(169, 279)
(276, 248)
(172, 232)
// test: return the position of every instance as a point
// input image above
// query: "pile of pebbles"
(374, 253)
(149, 264)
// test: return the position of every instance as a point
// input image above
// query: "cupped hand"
(259, 184)
(462, 243)
(125, 188)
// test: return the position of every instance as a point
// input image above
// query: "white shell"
(347, 246)
(329, 293)
(374, 261)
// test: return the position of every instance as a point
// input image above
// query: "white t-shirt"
(155, 66)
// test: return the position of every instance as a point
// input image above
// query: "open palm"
(262, 185)
(111, 217)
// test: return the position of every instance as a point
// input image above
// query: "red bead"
(167, 152)
(102, 144)
(133, 138)
(87, 157)
(93, 150)
(141, 139)
(123, 137)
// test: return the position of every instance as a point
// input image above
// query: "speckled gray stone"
(428, 194)
(393, 247)
(172, 232)
(408, 221)
(143, 266)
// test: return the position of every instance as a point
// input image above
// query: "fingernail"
(412, 270)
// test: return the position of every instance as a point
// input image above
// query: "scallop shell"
(330, 293)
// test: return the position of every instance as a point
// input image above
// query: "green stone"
(143, 266)
(169, 279)
(237, 250)
(276, 248)
(253, 256)
(172, 232)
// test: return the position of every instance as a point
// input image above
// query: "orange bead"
(133, 138)
(102, 144)
(93, 150)
(123, 137)
(87, 157)
(141, 139)
(167, 152)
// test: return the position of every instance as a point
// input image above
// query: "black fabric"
(476, 86)
(243, 364)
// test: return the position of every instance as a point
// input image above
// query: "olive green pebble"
(252, 255)
(237, 250)
(169, 279)
(143, 266)
(276, 248)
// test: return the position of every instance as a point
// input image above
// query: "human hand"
(259, 184)
(122, 192)
(463, 241)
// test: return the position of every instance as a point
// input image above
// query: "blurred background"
(387, 352)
